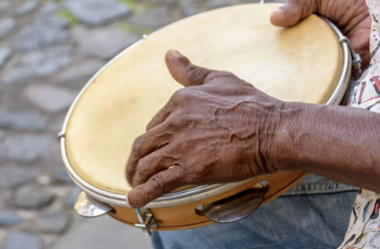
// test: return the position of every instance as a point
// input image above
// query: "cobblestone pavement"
(48, 50)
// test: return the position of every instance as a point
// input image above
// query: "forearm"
(339, 143)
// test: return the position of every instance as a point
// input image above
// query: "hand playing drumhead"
(217, 129)
(351, 16)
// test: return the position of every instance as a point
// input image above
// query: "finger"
(184, 72)
(154, 163)
(161, 116)
(360, 44)
(154, 139)
(293, 12)
(157, 186)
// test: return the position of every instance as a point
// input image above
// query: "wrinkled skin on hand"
(216, 130)
(219, 128)
(351, 16)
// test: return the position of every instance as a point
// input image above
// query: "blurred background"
(48, 51)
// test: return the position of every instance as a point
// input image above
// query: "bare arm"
(339, 143)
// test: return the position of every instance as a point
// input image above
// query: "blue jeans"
(313, 215)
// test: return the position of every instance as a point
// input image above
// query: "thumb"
(293, 12)
(183, 71)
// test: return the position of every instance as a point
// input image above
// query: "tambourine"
(310, 62)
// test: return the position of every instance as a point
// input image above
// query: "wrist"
(292, 120)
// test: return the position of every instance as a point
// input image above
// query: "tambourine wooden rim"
(201, 192)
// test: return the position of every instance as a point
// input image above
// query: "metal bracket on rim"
(356, 59)
(88, 207)
(146, 220)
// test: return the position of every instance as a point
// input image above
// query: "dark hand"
(351, 16)
(216, 130)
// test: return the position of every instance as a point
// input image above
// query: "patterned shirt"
(364, 226)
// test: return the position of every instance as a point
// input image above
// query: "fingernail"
(276, 12)
(175, 53)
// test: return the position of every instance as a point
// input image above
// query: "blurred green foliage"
(125, 27)
(65, 14)
(135, 6)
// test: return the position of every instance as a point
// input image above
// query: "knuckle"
(181, 95)
(161, 113)
(142, 168)
(187, 118)
(194, 73)
(147, 166)
(177, 122)
(159, 117)
(154, 121)
(159, 182)
(150, 125)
